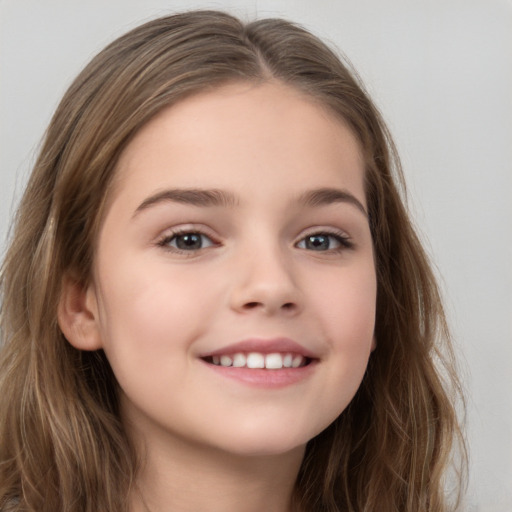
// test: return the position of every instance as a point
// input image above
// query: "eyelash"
(341, 238)
(344, 241)
(169, 237)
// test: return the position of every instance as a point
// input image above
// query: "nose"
(264, 281)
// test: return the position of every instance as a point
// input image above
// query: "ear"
(77, 315)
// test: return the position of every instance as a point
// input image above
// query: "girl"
(214, 298)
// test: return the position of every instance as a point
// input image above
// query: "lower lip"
(262, 378)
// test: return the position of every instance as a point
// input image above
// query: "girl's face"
(236, 238)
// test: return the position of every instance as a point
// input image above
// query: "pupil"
(317, 242)
(189, 241)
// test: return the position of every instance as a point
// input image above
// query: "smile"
(263, 363)
(272, 361)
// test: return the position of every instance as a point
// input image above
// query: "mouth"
(262, 354)
(263, 363)
(259, 360)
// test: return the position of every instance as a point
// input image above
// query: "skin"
(211, 442)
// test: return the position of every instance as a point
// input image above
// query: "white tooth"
(287, 361)
(297, 361)
(239, 360)
(273, 361)
(226, 361)
(216, 360)
(255, 360)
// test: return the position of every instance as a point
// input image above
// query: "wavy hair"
(62, 445)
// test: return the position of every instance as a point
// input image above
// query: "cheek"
(145, 306)
(347, 309)
(347, 305)
(149, 321)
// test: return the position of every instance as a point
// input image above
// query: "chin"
(266, 443)
(265, 449)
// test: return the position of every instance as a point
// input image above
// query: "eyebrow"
(326, 196)
(192, 196)
(215, 197)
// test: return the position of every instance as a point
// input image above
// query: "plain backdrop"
(440, 71)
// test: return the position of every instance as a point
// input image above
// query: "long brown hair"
(62, 445)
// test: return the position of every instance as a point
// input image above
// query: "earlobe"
(78, 315)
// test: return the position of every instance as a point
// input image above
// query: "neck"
(184, 478)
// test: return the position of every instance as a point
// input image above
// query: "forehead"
(270, 132)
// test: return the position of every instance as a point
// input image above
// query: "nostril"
(287, 306)
(252, 305)
(270, 306)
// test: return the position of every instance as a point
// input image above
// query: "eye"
(324, 242)
(187, 241)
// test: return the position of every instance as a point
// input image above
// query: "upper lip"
(263, 346)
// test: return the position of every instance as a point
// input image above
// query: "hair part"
(62, 445)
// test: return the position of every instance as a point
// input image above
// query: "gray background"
(441, 72)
